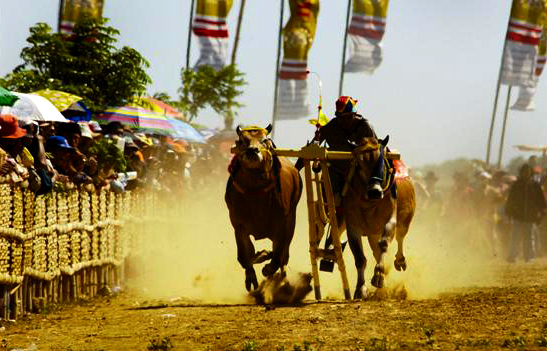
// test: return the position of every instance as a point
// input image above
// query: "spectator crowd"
(502, 213)
(58, 155)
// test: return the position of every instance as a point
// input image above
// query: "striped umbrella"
(137, 118)
(186, 132)
(157, 106)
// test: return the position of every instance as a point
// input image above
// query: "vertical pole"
(238, 31)
(189, 43)
(493, 120)
(334, 229)
(312, 219)
(502, 140)
(61, 6)
(340, 87)
(279, 38)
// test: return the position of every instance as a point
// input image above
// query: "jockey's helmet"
(345, 104)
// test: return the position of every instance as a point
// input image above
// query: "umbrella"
(157, 106)
(59, 99)
(137, 118)
(185, 131)
(33, 107)
(7, 98)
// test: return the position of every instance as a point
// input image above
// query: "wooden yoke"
(320, 215)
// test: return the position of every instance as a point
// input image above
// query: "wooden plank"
(312, 229)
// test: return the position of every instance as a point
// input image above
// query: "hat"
(86, 131)
(58, 142)
(345, 104)
(9, 128)
(94, 126)
(129, 143)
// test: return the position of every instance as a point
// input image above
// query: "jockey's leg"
(374, 187)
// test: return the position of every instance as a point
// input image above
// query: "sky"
(433, 94)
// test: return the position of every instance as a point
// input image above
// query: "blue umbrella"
(186, 132)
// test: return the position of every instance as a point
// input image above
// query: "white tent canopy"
(33, 107)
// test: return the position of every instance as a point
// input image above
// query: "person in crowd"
(526, 206)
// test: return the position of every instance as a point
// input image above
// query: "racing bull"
(262, 193)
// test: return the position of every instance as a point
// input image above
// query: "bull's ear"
(238, 130)
(385, 141)
(269, 128)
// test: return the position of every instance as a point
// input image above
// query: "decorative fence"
(63, 245)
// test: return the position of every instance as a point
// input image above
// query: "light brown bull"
(262, 194)
(380, 220)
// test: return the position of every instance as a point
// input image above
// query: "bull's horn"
(385, 141)
(269, 128)
(238, 130)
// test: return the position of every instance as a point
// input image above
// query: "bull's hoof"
(400, 263)
(360, 293)
(251, 283)
(378, 280)
(269, 269)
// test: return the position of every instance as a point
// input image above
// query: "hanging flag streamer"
(298, 36)
(365, 32)
(523, 36)
(525, 101)
(73, 10)
(210, 28)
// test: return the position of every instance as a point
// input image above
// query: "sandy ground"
(472, 318)
(186, 292)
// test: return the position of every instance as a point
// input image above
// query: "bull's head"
(254, 148)
(367, 154)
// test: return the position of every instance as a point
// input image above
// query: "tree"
(208, 87)
(86, 64)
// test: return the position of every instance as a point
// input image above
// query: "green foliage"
(376, 344)
(108, 155)
(207, 87)
(514, 342)
(249, 345)
(162, 344)
(86, 64)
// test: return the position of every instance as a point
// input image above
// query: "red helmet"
(345, 104)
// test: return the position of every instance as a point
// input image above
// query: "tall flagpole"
(61, 6)
(238, 30)
(279, 38)
(342, 70)
(493, 120)
(502, 140)
(189, 43)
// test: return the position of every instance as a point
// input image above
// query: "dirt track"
(471, 318)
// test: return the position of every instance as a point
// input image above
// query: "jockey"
(341, 133)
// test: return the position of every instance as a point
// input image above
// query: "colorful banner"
(521, 47)
(74, 10)
(298, 36)
(525, 101)
(365, 33)
(210, 28)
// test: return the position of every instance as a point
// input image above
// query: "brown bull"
(380, 220)
(262, 194)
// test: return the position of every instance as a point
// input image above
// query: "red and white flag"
(521, 46)
(525, 100)
(298, 36)
(212, 32)
(366, 31)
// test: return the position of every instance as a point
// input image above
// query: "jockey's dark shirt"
(338, 138)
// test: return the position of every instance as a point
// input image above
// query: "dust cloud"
(191, 254)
